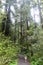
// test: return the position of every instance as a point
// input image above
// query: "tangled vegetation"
(23, 36)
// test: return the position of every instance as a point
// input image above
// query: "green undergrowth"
(8, 50)
(37, 58)
(14, 62)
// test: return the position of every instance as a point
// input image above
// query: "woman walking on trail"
(25, 58)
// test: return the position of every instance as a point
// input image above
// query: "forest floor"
(21, 61)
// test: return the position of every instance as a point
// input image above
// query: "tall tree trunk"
(39, 11)
(7, 26)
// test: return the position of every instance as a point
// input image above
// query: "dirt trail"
(21, 61)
